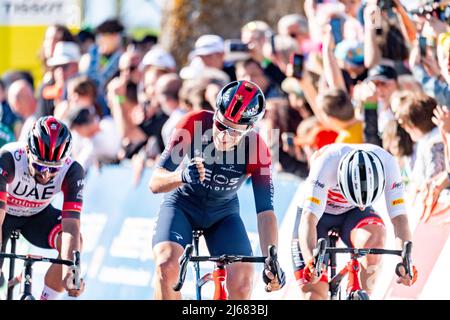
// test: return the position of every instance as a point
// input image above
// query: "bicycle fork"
(220, 278)
(352, 270)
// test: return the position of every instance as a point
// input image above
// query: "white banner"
(40, 12)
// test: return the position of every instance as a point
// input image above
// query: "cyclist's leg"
(228, 236)
(365, 229)
(173, 231)
(42, 230)
(318, 291)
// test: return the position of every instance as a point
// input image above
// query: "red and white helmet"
(49, 141)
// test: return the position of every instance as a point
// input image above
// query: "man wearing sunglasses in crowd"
(222, 151)
(31, 174)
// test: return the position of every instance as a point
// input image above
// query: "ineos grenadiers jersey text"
(322, 192)
(22, 195)
(225, 171)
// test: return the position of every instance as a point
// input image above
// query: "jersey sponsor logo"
(318, 184)
(396, 185)
(313, 200)
(80, 195)
(72, 206)
(336, 197)
(23, 191)
(177, 235)
(80, 183)
(230, 168)
(13, 201)
(397, 202)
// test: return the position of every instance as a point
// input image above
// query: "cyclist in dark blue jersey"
(217, 152)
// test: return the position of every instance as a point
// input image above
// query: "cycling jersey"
(22, 195)
(322, 193)
(225, 171)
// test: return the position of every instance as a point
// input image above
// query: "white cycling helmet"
(361, 177)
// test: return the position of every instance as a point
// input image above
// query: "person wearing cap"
(64, 64)
(210, 48)
(385, 80)
(102, 60)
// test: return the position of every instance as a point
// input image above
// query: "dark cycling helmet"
(241, 102)
(361, 177)
(49, 141)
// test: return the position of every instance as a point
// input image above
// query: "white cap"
(159, 58)
(208, 44)
(64, 53)
(193, 70)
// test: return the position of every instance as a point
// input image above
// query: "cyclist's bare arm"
(163, 180)
(307, 234)
(70, 240)
(401, 230)
(268, 230)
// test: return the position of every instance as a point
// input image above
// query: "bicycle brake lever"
(273, 260)
(319, 255)
(76, 270)
(406, 260)
(183, 261)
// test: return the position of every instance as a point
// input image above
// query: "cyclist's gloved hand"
(310, 272)
(405, 278)
(194, 173)
(273, 283)
(73, 290)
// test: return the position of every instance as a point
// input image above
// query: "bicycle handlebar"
(321, 249)
(73, 264)
(222, 260)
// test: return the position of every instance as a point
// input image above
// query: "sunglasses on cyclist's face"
(232, 131)
(42, 169)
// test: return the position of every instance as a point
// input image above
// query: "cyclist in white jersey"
(344, 180)
(31, 174)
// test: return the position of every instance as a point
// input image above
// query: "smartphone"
(336, 29)
(288, 139)
(297, 65)
(272, 43)
(235, 45)
(423, 46)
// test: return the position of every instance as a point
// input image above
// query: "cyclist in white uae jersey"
(344, 180)
(31, 174)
